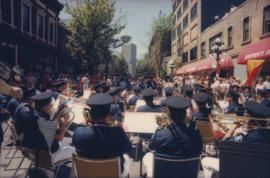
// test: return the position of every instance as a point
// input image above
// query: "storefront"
(257, 58)
(208, 65)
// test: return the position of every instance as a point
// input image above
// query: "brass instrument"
(88, 120)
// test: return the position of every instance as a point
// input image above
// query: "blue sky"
(138, 16)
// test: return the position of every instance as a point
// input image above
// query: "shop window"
(266, 20)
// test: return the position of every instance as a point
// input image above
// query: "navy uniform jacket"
(133, 100)
(261, 136)
(121, 103)
(44, 116)
(55, 95)
(231, 108)
(177, 140)
(26, 124)
(163, 103)
(264, 102)
(11, 107)
(116, 112)
(149, 108)
(201, 115)
(101, 142)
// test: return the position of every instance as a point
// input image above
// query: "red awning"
(206, 65)
(260, 50)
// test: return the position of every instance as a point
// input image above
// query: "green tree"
(93, 28)
(144, 68)
(119, 66)
(160, 45)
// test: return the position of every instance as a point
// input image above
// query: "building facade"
(236, 23)
(130, 54)
(29, 32)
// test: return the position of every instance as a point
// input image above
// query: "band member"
(99, 140)
(168, 92)
(120, 99)
(99, 87)
(203, 113)
(115, 109)
(43, 105)
(177, 139)
(148, 96)
(233, 97)
(58, 87)
(255, 134)
(261, 97)
(137, 91)
(189, 95)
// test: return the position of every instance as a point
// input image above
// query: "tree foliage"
(144, 68)
(93, 31)
(119, 66)
(160, 45)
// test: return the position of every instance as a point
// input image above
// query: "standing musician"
(189, 95)
(58, 87)
(115, 109)
(256, 133)
(99, 140)
(43, 106)
(148, 96)
(177, 139)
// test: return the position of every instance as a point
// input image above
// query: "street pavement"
(13, 164)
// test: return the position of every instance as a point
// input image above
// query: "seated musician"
(60, 149)
(137, 91)
(99, 140)
(168, 92)
(115, 109)
(58, 87)
(148, 96)
(203, 113)
(177, 139)
(253, 134)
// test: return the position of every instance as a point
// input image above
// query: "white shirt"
(267, 84)
(259, 87)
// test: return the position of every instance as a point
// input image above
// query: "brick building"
(29, 32)
(236, 23)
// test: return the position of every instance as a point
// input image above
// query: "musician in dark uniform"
(261, 97)
(255, 134)
(120, 99)
(137, 91)
(233, 97)
(148, 96)
(115, 109)
(60, 149)
(58, 86)
(99, 140)
(203, 113)
(177, 139)
(168, 92)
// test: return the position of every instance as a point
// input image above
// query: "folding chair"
(43, 159)
(85, 167)
(173, 166)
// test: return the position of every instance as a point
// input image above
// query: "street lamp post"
(218, 49)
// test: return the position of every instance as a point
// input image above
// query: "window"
(193, 12)
(179, 29)
(185, 5)
(246, 29)
(173, 35)
(266, 20)
(179, 13)
(6, 11)
(174, 6)
(174, 19)
(185, 21)
(230, 37)
(213, 39)
(26, 15)
(203, 51)
(51, 34)
(185, 57)
(193, 53)
(40, 26)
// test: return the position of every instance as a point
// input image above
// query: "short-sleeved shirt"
(177, 140)
(101, 142)
(149, 108)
